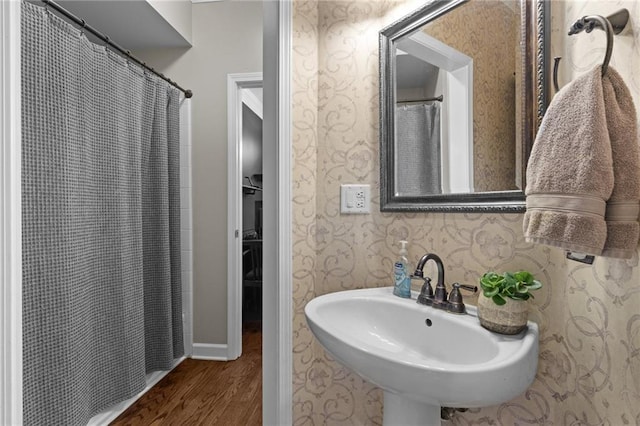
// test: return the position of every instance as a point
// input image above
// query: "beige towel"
(570, 174)
(623, 207)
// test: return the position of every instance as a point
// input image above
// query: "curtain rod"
(437, 98)
(105, 38)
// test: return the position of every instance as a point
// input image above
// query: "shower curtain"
(101, 233)
(418, 163)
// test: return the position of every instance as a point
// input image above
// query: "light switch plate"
(355, 199)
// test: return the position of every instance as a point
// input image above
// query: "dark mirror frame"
(535, 33)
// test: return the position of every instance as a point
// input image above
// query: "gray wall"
(177, 13)
(227, 38)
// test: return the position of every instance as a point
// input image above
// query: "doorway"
(244, 241)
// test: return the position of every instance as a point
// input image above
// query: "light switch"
(355, 199)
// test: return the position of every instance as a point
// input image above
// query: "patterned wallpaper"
(589, 365)
(482, 30)
(305, 146)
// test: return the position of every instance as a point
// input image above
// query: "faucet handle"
(455, 298)
(471, 288)
(426, 293)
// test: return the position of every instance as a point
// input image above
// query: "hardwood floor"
(206, 392)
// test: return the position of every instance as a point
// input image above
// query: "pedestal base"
(397, 410)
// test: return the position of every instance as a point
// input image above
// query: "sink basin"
(423, 358)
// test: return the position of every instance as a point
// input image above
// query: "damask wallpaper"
(589, 316)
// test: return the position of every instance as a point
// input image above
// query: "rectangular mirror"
(462, 92)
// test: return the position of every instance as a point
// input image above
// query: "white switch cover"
(355, 199)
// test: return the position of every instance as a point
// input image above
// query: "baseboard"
(106, 417)
(210, 352)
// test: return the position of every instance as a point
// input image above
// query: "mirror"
(462, 92)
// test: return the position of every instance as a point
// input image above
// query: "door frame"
(277, 346)
(10, 216)
(235, 84)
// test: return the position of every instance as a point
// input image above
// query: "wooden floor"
(206, 392)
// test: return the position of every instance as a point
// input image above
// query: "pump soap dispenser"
(402, 285)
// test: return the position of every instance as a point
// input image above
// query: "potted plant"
(502, 303)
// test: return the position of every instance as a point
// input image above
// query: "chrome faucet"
(439, 299)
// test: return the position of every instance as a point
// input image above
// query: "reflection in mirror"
(456, 106)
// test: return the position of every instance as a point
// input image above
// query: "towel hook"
(588, 23)
(612, 24)
(556, 63)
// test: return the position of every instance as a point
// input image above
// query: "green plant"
(513, 285)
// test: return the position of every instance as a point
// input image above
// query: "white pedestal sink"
(423, 358)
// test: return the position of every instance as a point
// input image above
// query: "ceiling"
(133, 24)
(412, 72)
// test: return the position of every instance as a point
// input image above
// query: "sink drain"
(428, 322)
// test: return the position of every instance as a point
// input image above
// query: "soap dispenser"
(402, 284)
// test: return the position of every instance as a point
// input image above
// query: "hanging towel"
(583, 176)
(570, 170)
(623, 207)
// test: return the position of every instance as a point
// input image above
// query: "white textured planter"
(510, 318)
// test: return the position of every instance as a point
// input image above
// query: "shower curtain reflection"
(101, 233)
(417, 149)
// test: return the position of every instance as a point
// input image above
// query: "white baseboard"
(106, 417)
(210, 352)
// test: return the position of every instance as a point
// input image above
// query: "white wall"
(186, 223)
(226, 38)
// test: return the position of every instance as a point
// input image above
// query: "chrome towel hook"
(612, 24)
